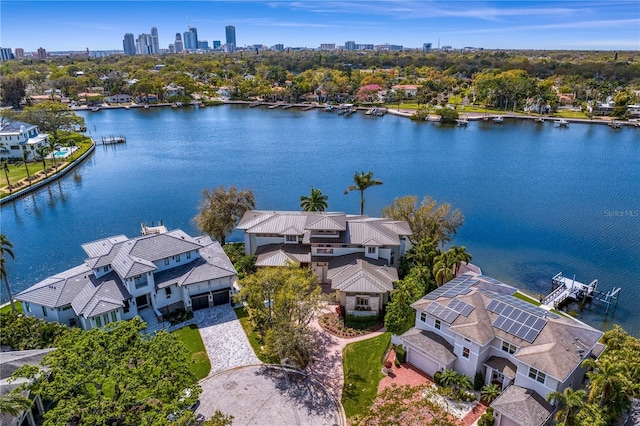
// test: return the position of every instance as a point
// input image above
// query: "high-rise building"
(216, 44)
(172, 48)
(203, 45)
(144, 44)
(278, 47)
(129, 44)
(426, 47)
(178, 46)
(42, 53)
(155, 43)
(6, 54)
(230, 32)
(327, 46)
(19, 53)
(191, 39)
(349, 45)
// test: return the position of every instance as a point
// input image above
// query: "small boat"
(329, 108)
(539, 120)
(615, 124)
(95, 109)
(146, 107)
(562, 123)
(498, 119)
(462, 121)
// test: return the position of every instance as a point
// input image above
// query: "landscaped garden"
(190, 336)
(362, 365)
(351, 326)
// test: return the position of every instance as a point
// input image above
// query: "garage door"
(221, 298)
(200, 302)
(422, 362)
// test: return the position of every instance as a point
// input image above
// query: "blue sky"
(101, 25)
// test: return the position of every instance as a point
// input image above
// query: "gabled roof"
(14, 127)
(282, 254)
(372, 232)
(431, 343)
(524, 406)
(100, 295)
(356, 273)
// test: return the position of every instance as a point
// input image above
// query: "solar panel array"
(445, 313)
(525, 306)
(490, 280)
(456, 287)
(460, 306)
(516, 321)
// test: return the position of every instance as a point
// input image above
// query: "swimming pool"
(64, 152)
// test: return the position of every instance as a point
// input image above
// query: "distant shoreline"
(407, 113)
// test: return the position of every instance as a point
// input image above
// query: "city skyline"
(100, 25)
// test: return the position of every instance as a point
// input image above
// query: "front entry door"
(142, 302)
(497, 378)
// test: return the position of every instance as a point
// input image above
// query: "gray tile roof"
(102, 247)
(431, 343)
(14, 127)
(356, 273)
(503, 365)
(100, 295)
(58, 290)
(561, 345)
(524, 406)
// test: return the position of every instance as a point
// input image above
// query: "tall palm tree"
(6, 247)
(443, 267)
(5, 167)
(14, 404)
(362, 181)
(53, 146)
(569, 402)
(316, 202)
(25, 157)
(608, 382)
(459, 255)
(42, 152)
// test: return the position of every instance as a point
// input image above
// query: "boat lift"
(564, 288)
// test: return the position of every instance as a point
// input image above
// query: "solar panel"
(517, 317)
(490, 280)
(442, 312)
(460, 306)
(521, 304)
(457, 286)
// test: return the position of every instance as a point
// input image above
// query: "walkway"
(327, 361)
(223, 337)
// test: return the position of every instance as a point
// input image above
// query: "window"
(98, 322)
(138, 280)
(438, 324)
(114, 317)
(188, 255)
(106, 319)
(291, 238)
(508, 347)
(44, 311)
(105, 269)
(177, 258)
(371, 250)
(423, 317)
(537, 375)
(166, 260)
(465, 352)
(168, 291)
(27, 306)
(126, 307)
(66, 307)
(362, 302)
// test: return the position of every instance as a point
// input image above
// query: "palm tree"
(608, 382)
(6, 247)
(14, 404)
(449, 378)
(490, 392)
(53, 146)
(443, 267)
(569, 402)
(5, 167)
(42, 152)
(459, 255)
(362, 181)
(25, 157)
(316, 202)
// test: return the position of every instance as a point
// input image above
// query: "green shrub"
(478, 381)
(487, 418)
(401, 354)
(361, 323)
(436, 378)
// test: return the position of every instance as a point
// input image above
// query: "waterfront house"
(354, 256)
(16, 135)
(474, 323)
(151, 276)
(172, 89)
(118, 99)
(409, 90)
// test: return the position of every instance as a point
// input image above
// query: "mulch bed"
(333, 324)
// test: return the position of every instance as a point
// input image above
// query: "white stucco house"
(16, 135)
(356, 256)
(150, 275)
(474, 323)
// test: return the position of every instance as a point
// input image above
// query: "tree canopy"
(50, 117)
(221, 209)
(117, 375)
(281, 301)
(23, 332)
(427, 219)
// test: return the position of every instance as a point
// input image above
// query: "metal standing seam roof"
(281, 254)
(356, 273)
(371, 232)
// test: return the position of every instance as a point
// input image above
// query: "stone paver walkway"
(223, 337)
(327, 361)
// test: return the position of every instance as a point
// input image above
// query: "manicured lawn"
(526, 298)
(190, 336)
(252, 335)
(7, 308)
(362, 373)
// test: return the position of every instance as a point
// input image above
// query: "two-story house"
(17, 136)
(355, 255)
(151, 275)
(474, 323)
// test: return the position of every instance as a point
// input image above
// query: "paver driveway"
(223, 337)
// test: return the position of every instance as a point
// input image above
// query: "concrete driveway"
(223, 337)
(269, 395)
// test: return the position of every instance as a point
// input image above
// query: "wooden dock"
(113, 140)
(565, 289)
